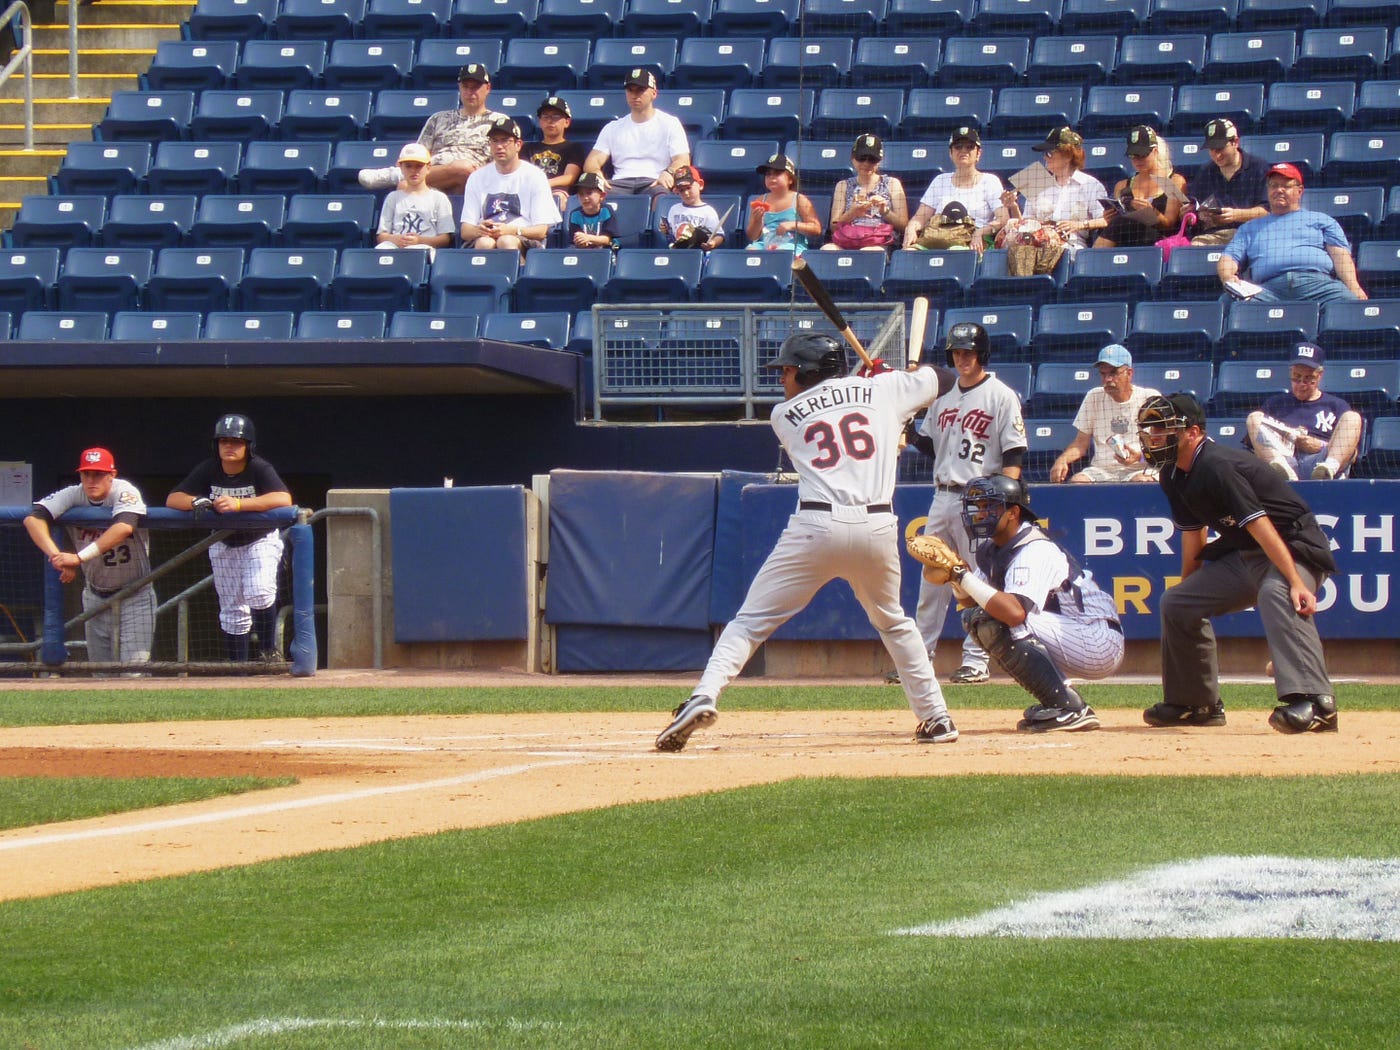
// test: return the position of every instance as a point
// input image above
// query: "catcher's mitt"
(940, 560)
(688, 236)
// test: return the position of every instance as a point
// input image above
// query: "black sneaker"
(1305, 714)
(1041, 719)
(1165, 714)
(936, 731)
(969, 675)
(696, 713)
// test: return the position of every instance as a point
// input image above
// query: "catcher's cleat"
(1305, 714)
(1165, 714)
(969, 675)
(1042, 719)
(696, 713)
(938, 730)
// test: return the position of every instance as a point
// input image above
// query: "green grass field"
(759, 917)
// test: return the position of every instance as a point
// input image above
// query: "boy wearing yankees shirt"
(842, 434)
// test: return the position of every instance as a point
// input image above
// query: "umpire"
(1270, 552)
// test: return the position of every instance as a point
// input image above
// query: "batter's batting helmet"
(969, 335)
(985, 500)
(1161, 422)
(815, 356)
(235, 426)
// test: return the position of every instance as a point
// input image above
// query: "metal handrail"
(25, 57)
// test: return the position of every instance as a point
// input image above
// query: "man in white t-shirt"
(507, 203)
(1108, 420)
(646, 147)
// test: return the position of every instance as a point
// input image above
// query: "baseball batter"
(109, 558)
(842, 434)
(973, 430)
(245, 564)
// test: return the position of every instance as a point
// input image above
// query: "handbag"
(853, 237)
(1177, 239)
(1032, 247)
(940, 236)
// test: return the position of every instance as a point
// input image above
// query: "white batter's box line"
(271, 1027)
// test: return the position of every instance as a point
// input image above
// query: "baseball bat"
(918, 324)
(822, 298)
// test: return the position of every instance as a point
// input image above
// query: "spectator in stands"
(456, 138)
(1107, 420)
(560, 159)
(508, 203)
(868, 210)
(1229, 188)
(592, 223)
(1305, 433)
(782, 219)
(1291, 253)
(1154, 187)
(979, 192)
(646, 147)
(418, 216)
(1069, 204)
(686, 223)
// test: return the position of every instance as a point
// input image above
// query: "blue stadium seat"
(1196, 104)
(581, 343)
(1114, 274)
(1077, 331)
(406, 19)
(547, 331)
(283, 65)
(815, 61)
(1160, 59)
(823, 163)
(331, 325)
(729, 166)
(983, 61)
(850, 276)
(895, 62)
(62, 222)
(62, 326)
(440, 59)
(994, 285)
(733, 275)
(1357, 208)
(568, 279)
(1176, 331)
(286, 280)
(719, 62)
(1378, 268)
(232, 19)
(1341, 52)
(504, 19)
(766, 18)
(915, 164)
(850, 19)
(388, 280)
(1376, 106)
(1227, 430)
(1190, 274)
(592, 108)
(329, 220)
(1046, 439)
(239, 325)
(399, 115)
(1309, 106)
(1123, 17)
(191, 65)
(543, 64)
(1112, 109)
(197, 279)
(319, 19)
(1361, 329)
(237, 220)
(145, 327)
(369, 65)
(1388, 228)
(27, 279)
(106, 279)
(284, 167)
(848, 112)
(1303, 148)
(1280, 14)
(1266, 55)
(1059, 388)
(1192, 16)
(1363, 12)
(1024, 18)
(1005, 157)
(237, 115)
(138, 221)
(1105, 159)
(1079, 60)
(700, 110)
(472, 282)
(613, 58)
(928, 17)
(1266, 331)
(589, 19)
(1032, 111)
(779, 113)
(195, 167)
(106, 168)
(1363, 157)
(1196, 378)
(1382, 457)
(933, 113)
(654, 275)
(672, 19)
(422, 325)
(1008, 327)
(325, 115)
(944, 277)
(349, 157)
(1242, 386)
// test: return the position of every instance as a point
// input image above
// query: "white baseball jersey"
(126, 561)
(642, 150)
(1101, 418)
(701, 215)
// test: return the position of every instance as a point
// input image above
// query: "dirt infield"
(364, 780)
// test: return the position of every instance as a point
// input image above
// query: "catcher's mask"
(235, 426)
(969, 335)
(815, 356)
(985, 500)
(1161, 422)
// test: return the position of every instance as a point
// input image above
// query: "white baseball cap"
(415, 151)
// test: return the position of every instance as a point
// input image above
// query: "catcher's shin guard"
(1026, 660)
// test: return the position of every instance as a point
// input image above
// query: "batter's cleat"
(1305, 714)
(892, 677)
(380, 178)
(1165, 714)
(1041, 719)
(696, 713)
(1322, 472)
(938, 730)
(969, 675)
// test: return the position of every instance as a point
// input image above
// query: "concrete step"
(112, 12)
(53, 113)
(90, 85)
(53, 61)
(36, 163)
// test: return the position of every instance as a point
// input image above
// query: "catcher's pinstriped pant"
(138, 627)
(246, 579)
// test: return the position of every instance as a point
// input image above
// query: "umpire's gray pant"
(1190, 669)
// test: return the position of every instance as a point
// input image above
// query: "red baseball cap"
(1288, 171)
(97, 459)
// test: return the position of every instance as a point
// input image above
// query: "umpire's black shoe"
(1305, 713)
(1165, 714)
(696, 713)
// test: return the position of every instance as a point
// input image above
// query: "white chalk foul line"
(264, 1027)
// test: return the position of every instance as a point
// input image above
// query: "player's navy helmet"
(985, 500)
(815, 356)
(235, 426)
(1161, 422)
(969, 335)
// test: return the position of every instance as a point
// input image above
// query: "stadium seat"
(1382, 458)
(472, 282)
(1078, 60)
(915, 164)
(729, 166)
(330, 325)
(1305, 149)
(198, 279)
(1350, 52)
(148, 222)
(1059, 388)
(823, 163)
(1160, 59)
(1077, 331)
(932, 113)
(778, 113)
(106, 168)
(1192, 16)
(348, 158)
(1190, 274)
(1106, 160)
(1114, 274)
(1266, 331)
(1046, 439)
(654, 275)
(983, 61)
(766, 18)
(1363, 12)
(388, 280)
(592, 108)
(106, 279)
(1024, 18)
(62, 326)
(439, 60)
(1112, 109)
(994, 285)
(1197, 104)
(370, 65)
(62, 222)
(398, 115)
(1031, 111)
(239, 325)
(1376, 106)
(319, 19)
(897, 62)
(850, 276)
(612, 58)
(281, 65)
(944, 277)
(503, 19)
(421, 325)
(27, 279)
(141, 326)
(286, 280)
(734, 275)
(544, 65)
(850, 19)
(329, 221)
(235, 20)
(238, 115)
(1358, 208)
(1008, 327)
(715, 62)
(1310, 106)
(287, 168)
(942, 18)
(238, 220)
(1176, 331)
(1242, 386)
(812, 61)
(589, 19)
(1196, 378)
(1276, 14)
(568, 279)
(1362, 329)
(191, 65)
(1378, 268)
(547, 331)
(1363, 157)
(1389, 226)
(670, 19)
(1266, 55)
(194, 167)
(700, 111)
(1227, 430)
(325, 115)
(1123, 17)
(848, 112)
(405, 20)
(1005, 157)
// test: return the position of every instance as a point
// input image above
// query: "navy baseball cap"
(1309, 354)
(474, 71)
(503, 125)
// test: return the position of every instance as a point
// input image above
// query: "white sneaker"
(1282, 467)
(380, 178)
(1322, 472)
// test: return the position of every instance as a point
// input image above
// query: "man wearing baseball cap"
(1229, 186)
(507, 203)
(646, 147)
(1107, 420)
(1291, 253)
(1305, 433)
(561, 159)
(110, 557)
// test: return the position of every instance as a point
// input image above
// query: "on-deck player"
(842, 434)
(973, 430)
(110, 558)
(245, 564)
(1032, 607)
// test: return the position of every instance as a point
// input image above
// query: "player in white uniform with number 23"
(842, 434)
